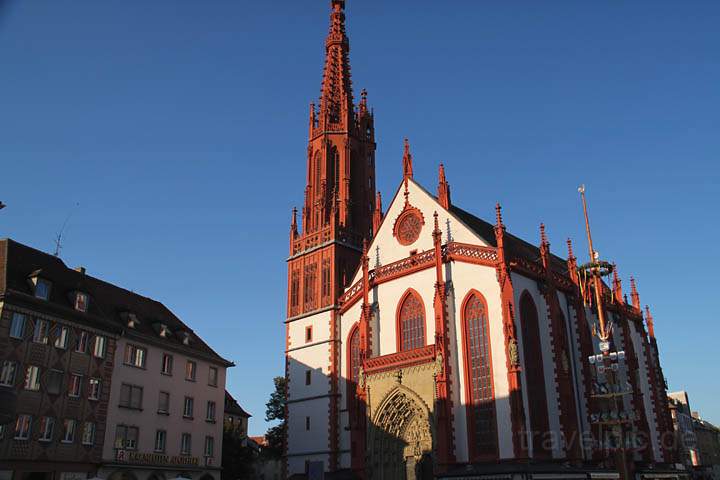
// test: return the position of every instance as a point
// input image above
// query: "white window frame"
(209, 446)
(8, 373)
(47, 428)
(69, 429)
(75, 385)
(88, 434)
(167, 364)
(32, 378)
(188, 401)
(23, 426)
(135, 356)
(46, 284)
(82, 341)
(41, 330)
(210, 411)
(94, 388)
(82, 301)
(100, 346)
(17, 326)
(61, 338)
(185, 444)
(160, 441)
(190, 371)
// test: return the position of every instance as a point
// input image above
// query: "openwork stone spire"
(336, 102)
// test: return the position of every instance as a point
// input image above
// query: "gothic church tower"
(325, 251)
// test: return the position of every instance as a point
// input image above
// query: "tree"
(238, 459)
(275, 435)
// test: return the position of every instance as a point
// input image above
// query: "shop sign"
(141, 458)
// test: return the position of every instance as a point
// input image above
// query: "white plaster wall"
(645, 389)
(315, 440)
(385, 249)
(520, 284)
(577, 362)
(466, 277)
(297, 464)
(153, 382)
(308, 400)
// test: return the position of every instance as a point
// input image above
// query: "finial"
(377, 213)
(435, 218)
(543, 236)
(443, 188)
(407, 161)
(293, 222)
(634, 295)
(617, 285)
(498, 216)
(363, 95)
(570, 249)
(337, 5)
(650, 322)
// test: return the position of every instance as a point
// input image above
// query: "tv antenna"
(59, 236)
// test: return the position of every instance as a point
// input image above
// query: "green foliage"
(275, 435)
(238, 460)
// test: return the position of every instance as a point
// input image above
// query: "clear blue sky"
(180, 128)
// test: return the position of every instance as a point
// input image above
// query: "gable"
(386, 247)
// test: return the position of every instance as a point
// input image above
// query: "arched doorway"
(401, 438)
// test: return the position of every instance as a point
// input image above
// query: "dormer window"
(42, 288)
(132, 320)
(81, 301)
(185, 337)
(164, 330)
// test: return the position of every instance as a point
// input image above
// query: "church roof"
(109, 306)
(515, 245)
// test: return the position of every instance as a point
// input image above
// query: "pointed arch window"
(535, 377)
(353, 365)
(411, 322)
(480, 397)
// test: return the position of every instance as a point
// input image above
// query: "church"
(425, 342)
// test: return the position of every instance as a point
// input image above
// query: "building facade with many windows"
(98, 380)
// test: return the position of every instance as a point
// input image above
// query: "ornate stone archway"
(400, 438)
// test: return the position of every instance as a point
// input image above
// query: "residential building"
(57, 353)
(98, 380)
(683, 425)
(236, 419)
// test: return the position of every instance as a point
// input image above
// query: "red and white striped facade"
(426, 282)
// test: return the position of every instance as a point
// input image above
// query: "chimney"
(80, 270)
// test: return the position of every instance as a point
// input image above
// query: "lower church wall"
(521, 284)
(465, 278)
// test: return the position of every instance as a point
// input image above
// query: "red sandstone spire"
(544, 247)
(336, 102)
(634, 295)
(498, 217)
(377, 213)
(617, 286)
(572, 262)
(407, 161)
(650, 323)
(443, 189)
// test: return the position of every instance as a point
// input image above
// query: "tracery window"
(294, 290)
(325, 281)
(411, 322)
(482, 435)
(534, 376)
(309, 286)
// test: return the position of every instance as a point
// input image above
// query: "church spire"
(407, 161)
(377, 213)
(336, 101)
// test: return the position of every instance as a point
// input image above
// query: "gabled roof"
(233, 407)
(514, 245)
(108, 303)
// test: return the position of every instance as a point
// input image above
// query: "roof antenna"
(59, 237)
